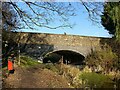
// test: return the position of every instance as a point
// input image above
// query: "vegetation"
(104, 65)
(94, 80)
(111, 19)
(81, 79)
(39, 14)
(66, 71)
(74, 76)
(27, 61)
(52, 67)
(105, 58)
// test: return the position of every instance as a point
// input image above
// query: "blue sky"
(83, 26)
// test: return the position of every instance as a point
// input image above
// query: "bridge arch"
(69, 57)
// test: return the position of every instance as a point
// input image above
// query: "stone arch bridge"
(40, 44)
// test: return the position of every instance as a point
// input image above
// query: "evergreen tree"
(111, 19)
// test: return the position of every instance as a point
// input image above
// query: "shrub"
(71, 73)
(106, 58)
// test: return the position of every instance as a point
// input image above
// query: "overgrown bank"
(99, 72)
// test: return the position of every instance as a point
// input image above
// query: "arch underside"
(68, 56)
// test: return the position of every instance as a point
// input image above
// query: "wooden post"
(19, 54)
(61, 60)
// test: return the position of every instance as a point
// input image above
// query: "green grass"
(92, 79)
(27, 61)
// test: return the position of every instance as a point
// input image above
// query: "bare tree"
(40, 14)
(43, 14)
(9, 17)
(94, 10)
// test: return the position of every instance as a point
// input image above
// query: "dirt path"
(35, 77)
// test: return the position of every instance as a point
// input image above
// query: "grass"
(53, 67)
(27, 61)
(94, 80)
